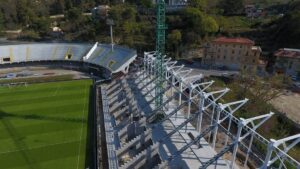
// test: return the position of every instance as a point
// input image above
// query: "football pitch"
(44, 126)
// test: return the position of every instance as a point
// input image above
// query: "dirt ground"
(42, 71)
(289, 104)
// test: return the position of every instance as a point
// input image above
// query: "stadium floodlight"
(111, 22)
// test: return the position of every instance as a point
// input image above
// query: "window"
(290, 64)
(224, 57)
(253, 61)
(233, 51)
(218, 56)
(241, 46)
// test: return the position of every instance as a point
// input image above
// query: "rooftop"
(234, 40)
(256, 48)
(288, 53)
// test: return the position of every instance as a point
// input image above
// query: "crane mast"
(160, 49)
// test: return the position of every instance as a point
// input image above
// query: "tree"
(74, 15)
(231, 7)
(194, 18)
(1, 21)
(210, 25)
(24, 12)
(126, 28)
(68, 4)
(58, 7)
(288, 30)
(146, 3)
(200, 4)
(260, 89)
(200, 22)
(41, 25)
(174, 38)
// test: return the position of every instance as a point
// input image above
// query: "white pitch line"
(4, 152)
(79, 147)
(56, 91)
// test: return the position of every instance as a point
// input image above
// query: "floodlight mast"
(110, 22)
(160, 50)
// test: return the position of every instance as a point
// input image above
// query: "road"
(207, 72)
(288, 104)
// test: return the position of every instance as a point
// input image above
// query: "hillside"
(285, 32)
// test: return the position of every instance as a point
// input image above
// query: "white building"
(174, 2)
(288, 61)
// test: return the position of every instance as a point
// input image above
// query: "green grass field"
(44, 126)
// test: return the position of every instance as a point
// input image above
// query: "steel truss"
(221, 116)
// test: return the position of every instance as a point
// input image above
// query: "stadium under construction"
(157, 113)
(191, 128)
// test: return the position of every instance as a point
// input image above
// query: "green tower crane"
(160, 49)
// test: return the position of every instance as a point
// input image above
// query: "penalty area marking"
(32, 148)
(56, 91)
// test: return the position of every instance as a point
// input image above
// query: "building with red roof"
(225, 40)
(233, 53)
(288, 61)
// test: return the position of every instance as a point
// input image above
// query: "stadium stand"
(190, 129)
(117, 60)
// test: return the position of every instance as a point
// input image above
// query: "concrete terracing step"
(113, 101)
(162, 165)
(123, 133)
(117, 99)
(117, 114)
(137, 142)
(114, 94)
(120, 84)
(122, 122)
(112, 83)
(117, 106)
(140, 159)
(127, 112)
(111, 90)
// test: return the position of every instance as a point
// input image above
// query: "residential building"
(194, 53)
(253, 11)
(173, 2)
(288, 61)
(233, 53)
(100, 11)
(56, 32)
